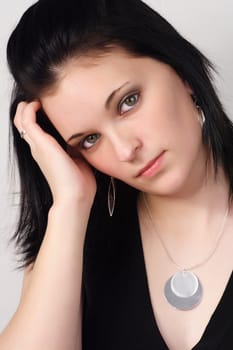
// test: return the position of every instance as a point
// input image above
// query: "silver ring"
(22, 134)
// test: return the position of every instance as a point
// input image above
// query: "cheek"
(170, 106)
(158, 124)
(177, 122)
(102, 160)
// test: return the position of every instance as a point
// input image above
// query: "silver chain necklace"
(183, 290)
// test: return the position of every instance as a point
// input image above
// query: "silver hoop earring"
(201, 115)
(111, 196)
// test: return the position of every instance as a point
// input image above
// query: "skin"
(158, 116)
(152, 113)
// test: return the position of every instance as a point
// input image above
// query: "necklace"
(183, 290)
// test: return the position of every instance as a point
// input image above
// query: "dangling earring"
(111, 196)
(201, 115)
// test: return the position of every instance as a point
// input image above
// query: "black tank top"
(117, 310)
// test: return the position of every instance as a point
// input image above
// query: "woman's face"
(132, 118)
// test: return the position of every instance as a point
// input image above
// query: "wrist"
(65, 201)
(67, 209)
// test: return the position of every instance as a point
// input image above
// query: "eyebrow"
(75, 136)
(110, 98)
(107, 105)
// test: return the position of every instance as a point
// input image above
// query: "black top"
(118, 313)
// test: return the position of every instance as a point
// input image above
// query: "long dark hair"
(51, 32)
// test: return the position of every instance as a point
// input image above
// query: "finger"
(25, 120)
(18, 119)
(28, 118)
(18, 115)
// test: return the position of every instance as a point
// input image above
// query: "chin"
(169, 185)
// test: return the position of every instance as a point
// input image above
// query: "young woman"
(125, 160)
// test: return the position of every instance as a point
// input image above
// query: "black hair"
(51, 32)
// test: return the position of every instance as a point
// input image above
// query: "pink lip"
(152, 167)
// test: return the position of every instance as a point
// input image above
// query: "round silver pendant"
(183, 290)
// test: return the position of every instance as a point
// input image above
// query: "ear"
(189, 89)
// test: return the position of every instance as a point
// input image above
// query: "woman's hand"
(68, 179)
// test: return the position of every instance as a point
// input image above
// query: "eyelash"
(119, 109)
(81, 144)
(124, 100)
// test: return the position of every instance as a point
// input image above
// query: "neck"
(191, 218)
(193, 222)
(209, 196)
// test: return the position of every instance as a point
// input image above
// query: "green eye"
(131, 100)
(128, 103)
(89, 141)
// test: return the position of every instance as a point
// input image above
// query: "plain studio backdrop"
(207, 24)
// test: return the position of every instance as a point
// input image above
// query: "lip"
(152, 167)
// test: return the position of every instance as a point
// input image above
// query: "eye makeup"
(130, 102)
(127, 103)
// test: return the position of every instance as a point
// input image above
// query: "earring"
(201, 115)
(111, 196)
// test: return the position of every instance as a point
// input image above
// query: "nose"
(126, 149)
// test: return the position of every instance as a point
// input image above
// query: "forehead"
(97, 68)
(86, 82)
(84, 71)
(92, 61)
(98, 72)
(101, 69)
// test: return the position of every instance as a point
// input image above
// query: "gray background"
(208, 24)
